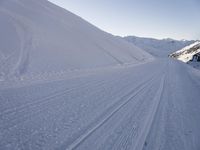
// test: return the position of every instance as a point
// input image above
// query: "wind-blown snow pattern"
(119, 98)
(158, 48)
(45, 37)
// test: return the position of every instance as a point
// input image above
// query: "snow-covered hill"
(37, 37)
(158, 48)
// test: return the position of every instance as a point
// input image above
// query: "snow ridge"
(158, 48)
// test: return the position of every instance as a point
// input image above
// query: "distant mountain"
(39, 37)
(158, 48)
(187, 54)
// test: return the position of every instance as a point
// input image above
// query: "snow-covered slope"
(38, 37)
(158, 48)
(186, 54)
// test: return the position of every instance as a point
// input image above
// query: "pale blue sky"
(178, 19)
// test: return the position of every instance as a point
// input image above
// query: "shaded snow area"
(129, 108)
(39, 38)
(195, 64)
(158, 48)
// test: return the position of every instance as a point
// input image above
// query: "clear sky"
(178, 19)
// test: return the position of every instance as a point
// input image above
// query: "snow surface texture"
(158, 48)
(46, 38)
(125, 108)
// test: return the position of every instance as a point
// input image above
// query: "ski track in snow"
(132, 94)
(129, 108)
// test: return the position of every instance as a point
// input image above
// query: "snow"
(67, 85)
(158, 48)
(47, 38)
(186, 54)
(189, 47)
(194, 64)
(177, 114)
(120, 108)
